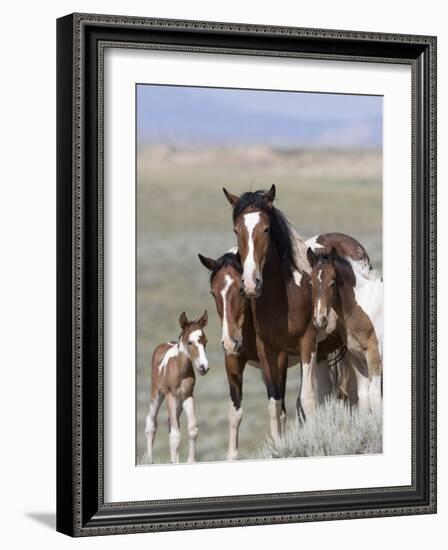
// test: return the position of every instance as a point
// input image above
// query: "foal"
(357, 300)
(173, 378)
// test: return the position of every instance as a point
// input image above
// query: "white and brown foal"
(173, 378)
(357, 299)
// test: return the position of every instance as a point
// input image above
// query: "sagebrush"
(334, 429)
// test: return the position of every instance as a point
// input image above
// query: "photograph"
(259, 274)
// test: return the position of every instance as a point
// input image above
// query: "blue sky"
(183, 116)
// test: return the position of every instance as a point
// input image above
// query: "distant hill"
(195, 118)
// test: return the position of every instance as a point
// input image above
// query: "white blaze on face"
(318, 312)
(250, 267)
(201, 359)
(226, 339)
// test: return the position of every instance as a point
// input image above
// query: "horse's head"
(323, 283)
(194, 341)
(252, 220)
(225, 286)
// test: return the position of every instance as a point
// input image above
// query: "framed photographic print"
(246, 274)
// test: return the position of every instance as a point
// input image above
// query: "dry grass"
(335, 429)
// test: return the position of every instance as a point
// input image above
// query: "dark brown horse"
(276, 280)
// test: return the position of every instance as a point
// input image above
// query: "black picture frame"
(81, 510)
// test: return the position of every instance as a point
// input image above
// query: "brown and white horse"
(276, 282)
(238, 334)
(339, 285)
(173, 378)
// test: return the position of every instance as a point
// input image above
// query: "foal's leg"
(188, 406)
(151, 422)
(234, 368)
(172, 405)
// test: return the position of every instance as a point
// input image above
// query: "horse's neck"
(183, 362)
(273, 272)
(300, 249)
(345, 300)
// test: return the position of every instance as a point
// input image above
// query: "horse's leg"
(374, 366)
(299, 408)
(348, 380)
(308, 351)
(283, 371)
(172, 404)
(272, 363)
(188, 406)
(151, 421)
(322, 381)
(235, 367)
(359, 366)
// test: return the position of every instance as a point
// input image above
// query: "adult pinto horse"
(276, 282)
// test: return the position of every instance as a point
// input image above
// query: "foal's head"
(193, 341)
(225, 286)
(323, 283)
(257, 225)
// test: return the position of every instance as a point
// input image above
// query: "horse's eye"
(235, 231)
(190, 343)
(212, 293)
(266, 229)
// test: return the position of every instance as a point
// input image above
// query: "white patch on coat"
(319, 275)
(225, 325)
(369, 296)
(297, 277)
(202, 358)
(233, 250)
(171, 352)
(312, 243)
(250, 221)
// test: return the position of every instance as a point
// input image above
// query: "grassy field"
(181, 211)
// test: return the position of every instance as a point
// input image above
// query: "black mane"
(280, 227)
(227, 259)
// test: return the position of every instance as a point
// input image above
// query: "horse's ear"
(203, 320)
(209, 263)
(270, 195)
(333, 254)
(233, 199)
(311, 256)
(183, 320)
